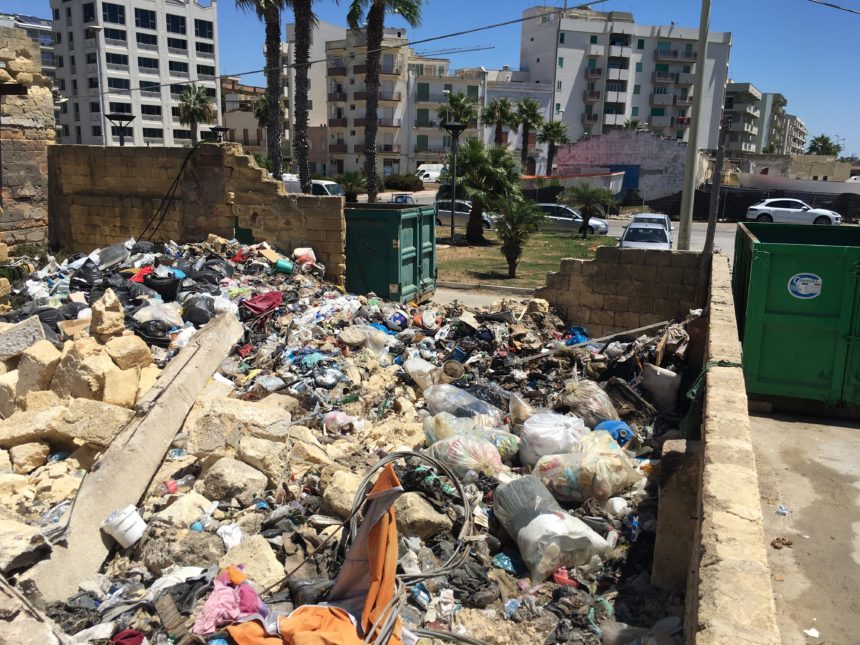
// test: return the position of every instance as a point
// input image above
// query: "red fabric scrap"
(140, 275)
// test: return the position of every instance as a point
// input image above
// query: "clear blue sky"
(805, 51)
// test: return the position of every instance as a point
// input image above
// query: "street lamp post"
(120, 120)
(219, 131)
(454, 128)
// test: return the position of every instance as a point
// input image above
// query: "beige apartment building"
(742, 107)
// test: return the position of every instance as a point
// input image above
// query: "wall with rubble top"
(620, 290)
(27, 126)
(103, 195)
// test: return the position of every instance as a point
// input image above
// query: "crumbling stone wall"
(103, 195)
(620, 290)
(27, 131)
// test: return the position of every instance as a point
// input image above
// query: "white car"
(654, 218)
(791, 211)
(462, 210)
(563, 218)
(645, 236)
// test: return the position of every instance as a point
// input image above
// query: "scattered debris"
(781, 543)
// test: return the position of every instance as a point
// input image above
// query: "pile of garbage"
(354, 467)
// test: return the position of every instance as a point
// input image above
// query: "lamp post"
(219, 131)
(454, 128)
(94, 32)
(120, 120)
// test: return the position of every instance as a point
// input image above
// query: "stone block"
(121, 387)
(36, 367)
(108, 317)
(38, 400)
(16, 339)
(269, 457)
(81, 373)
(554, 281)
(229, 479)
(26, 457)
(260, 564)
(608, 254)
(616, 304)
(627, 319)
(129, 351)
(340, 493)
(591, 300)
(415, 516)
(148, 377)
(593, 270)
(658, 258)
(602, 317)
(632, 256)
(8, 393)
(685, 259)
(571, 266)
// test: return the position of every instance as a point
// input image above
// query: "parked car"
(654, 218)
(645, 236)
(791, 211)
(462, 210)
(324, 187)
(564, 218)
(402, 198)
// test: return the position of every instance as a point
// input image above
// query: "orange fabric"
(252, 633)
(383, 560)
(236, 575)
(317, 625)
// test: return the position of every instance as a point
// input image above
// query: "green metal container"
(797, 300)
(391, 250)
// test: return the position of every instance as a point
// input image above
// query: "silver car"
(654, 218)
(462, 211)
(564, 218)
(645, 236)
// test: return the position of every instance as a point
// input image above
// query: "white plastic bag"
(549, 434)
(445, 425)
(421, 371)
(663, 386)
(167, 312)
(588, 400)
(448, 398)
(462, 453)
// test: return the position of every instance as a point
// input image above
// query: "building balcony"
(684, 101)
(151, 93)
(741, 126)
(661, 78)
(590, 96)
(432, 125)
(92, 68)
(748, 108)
(674, 55)
(115, 67)
(337, 148)
(615, 74)
(384, 148)
(151, 117)
(380, 123)
(590, 119)
(430, 150)
(358, 70)
(177, 74)
(387, 97)
(685, 78)
(593, 72)
(336, 70)
(148, 47)
(177, 51)
(616, 97)
(435, 99)
(681, 121)
(115, 42)
(663, 99)
(622, 51)
(660, 121)
(337, 122)
(614, 119)
(596, 50)
(199, 53)
(337, 97)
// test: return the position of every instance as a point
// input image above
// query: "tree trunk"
(512, 255)
(194, 132)
(524, 152)
(498, 139)
(274, 87)
(375, 26)
(475, 227)
(301, 144)
(550, 157)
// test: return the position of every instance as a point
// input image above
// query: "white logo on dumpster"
(804, 286)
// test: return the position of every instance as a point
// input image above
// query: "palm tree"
(590, 200)
(528, 116)
(261, 112)
(823, 145)
(631, 124)
(488, 177)
(460, 108)
(500, 113)
(195, 107)
(354, 184)
(518, 220)
(269, 11)
(374, 12)
(305, 20)
(552, 134)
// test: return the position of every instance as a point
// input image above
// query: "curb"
(469, 286)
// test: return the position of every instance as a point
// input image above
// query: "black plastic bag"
(198, 310)
(167, 287)
(70, 310)
(85, 277)
(154, 332)
(50, 316)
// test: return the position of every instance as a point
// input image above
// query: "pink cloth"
(221, 608)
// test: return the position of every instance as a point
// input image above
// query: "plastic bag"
(85, 277)
(663, 386)
(448, 398)
(198, 310)
(422, 372)
(166, 312)
(462, 453)
(520, 409)
(445, 425)
(167, 286)
(549, 434)
(547, 537)
(596, 468)
(377, 341)
(588, 400)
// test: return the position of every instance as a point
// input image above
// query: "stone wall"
(27, 131)
(620, 290)
(661, 161)
(729, 591)
(103, 195)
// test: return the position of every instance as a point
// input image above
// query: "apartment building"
(771, 123)
(604, 69)
(742, 107)
(133, 57)
(237, 114)
(794, 140)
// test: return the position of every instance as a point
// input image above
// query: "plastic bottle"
(171, 486)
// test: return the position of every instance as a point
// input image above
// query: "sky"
(803, 50)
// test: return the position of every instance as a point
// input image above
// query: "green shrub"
(409, 183)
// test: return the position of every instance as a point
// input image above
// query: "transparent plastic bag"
(520, 409)
(549, 434)
(377, 341)
(421, 371)
(448, 398)
(465, 452)
(166, 312)
(595, 468)
(662, 385)
(588, 400)
(445, 425)
(547, 537)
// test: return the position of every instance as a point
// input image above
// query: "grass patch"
(486, 265)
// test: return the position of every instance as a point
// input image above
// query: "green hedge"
(409, 183)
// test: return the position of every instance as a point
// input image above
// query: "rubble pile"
(519, 456)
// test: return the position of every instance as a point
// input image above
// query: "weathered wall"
(620, 290)
(729, 591)
(660, 160)
(103, 195)
(27, 131)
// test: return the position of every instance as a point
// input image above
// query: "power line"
(832, 5)
(454, 34)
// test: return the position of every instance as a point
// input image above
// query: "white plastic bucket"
(126, 526)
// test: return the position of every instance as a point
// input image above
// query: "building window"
(114, 13)
(95, 108)
(637, 89)
(68, 13)
(661, 90)
(592, 40)
(145, 19)
(64, 108)
(175, 24)
(118, 83)
(147, 63)
(557, 108)
(634, 111)
(638, 67)
(120, 108)
(640, 44)
(178, 67)
(77, 112)
(177, 43)
(147, 39)
(74, 87)
(116, 59)
(206, 70)
(89, 12)
(153, 133)
(210, 92)
(91, 58)
(152, 110)
(115, 34)
(658, 111)
(58, 38)
(92, 83)
(679, 134)
(561, 38)
(472, 92)
(560, 61)
(204, 48)
(558, 85)
(97, 131)
(686, 69)
(182, 135)
(71, 38)
(203, 29)
(56, 14)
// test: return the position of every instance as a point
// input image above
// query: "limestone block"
(121, 387)
(269, 457)
(16, 339)
(340, 492)
(148, 377)
(26, 457)
(260, 564)
(415, 516)
(83, 370)
(230, 478)
(8, 389)
(108, 317)
(38, 400)
(36, 367)
(129, 351)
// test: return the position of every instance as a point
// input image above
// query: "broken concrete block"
(19, 337)
(284, 401)
(85, 456)
(129, 351)
(168, 546)
(20, 543)
(260, 564)
(269, 457)
(36, 367)
(26, 457)
(82, 371)
(216, 423)
(340, 492)
(74, 329)
(108, 317)
(185, 510)
(416, 516)
(5, 462)
(8, 389)
(148, 377)
(308, 453)
(121, 387)
(230, 478)
(38, 400)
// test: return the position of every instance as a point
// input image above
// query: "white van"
(429, 172)
(322, 187)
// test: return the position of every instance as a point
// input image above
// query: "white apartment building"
(605, 69)
(743, 102)
(771, 122)
(794, 139)
(133, 57)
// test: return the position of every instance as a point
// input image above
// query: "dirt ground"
(812, 466)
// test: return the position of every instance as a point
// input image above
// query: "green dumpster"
(391, 250)
(797, 300)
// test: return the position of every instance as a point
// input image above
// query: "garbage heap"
(522, 455)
